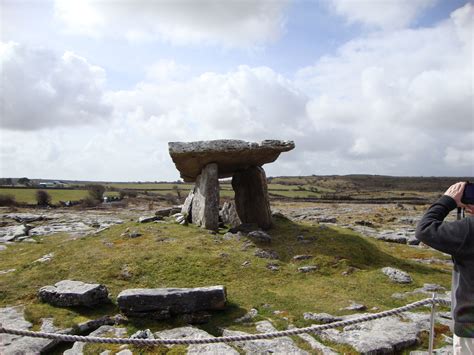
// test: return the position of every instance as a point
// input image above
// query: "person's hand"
(455, 192)
(470, 209)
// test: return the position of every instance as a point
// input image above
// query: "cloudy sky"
(95, 89)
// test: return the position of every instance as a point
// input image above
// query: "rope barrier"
(153, 342)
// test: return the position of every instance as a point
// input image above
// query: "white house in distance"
(52, 184)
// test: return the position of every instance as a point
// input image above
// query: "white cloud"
(387, 14)
(42, 89)
(406, 96)
(166, 70)
(233, 23)
(249, 103)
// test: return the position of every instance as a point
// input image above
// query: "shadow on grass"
(335, 246)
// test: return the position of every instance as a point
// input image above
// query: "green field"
(29, 195)
(149, 186)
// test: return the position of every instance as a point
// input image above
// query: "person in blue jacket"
(457, 239)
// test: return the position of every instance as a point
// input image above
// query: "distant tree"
(43, 198)
(177, 190)
(24, 181)
(96, 191)
(7, 200)
(9, 181)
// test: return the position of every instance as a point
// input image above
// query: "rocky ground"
(390, 223)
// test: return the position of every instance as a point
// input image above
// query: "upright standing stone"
(205, 205)
(251, 197)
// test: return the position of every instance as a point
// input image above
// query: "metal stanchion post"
(432, 324)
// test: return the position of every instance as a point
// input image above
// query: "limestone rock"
(302, 257)
(11, 233)
(321, 317)
(168, 211)
(230, 155)
(26, 217)
(266, 254)
(247, 317)
(280, 346)
(12, 317)
(143, 334)
(228, 214)
(186, 210)
(251, 197)
(195, 333)
(381, 336)
(205, 205)
(273, 267)
(310, 268)
(355, 307)
(244, 228)
(397, 275)
(260, 237)
(148, 219)
(143, 302)
(45, 258)
(69, 293)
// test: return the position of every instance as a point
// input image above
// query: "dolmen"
(205, 162)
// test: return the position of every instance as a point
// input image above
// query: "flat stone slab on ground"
(142, 301)
(13, 317)
(229, 154)
(195, 333)
(381, 336)
(69, 293)
(281, 346)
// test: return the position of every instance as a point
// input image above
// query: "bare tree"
(43, 198)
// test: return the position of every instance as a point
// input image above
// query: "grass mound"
(170, 255)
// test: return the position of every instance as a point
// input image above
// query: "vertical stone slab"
(251, 197)
(186, 210)
(205, 203)
(228, 214)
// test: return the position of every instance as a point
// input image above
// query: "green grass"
(169, 255)
(152, 186)
(294, 193)
(29, 195)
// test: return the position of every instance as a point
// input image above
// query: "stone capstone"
(205, 204)
(251, 197)
(69, 293)
(162, 302)
(229, 155)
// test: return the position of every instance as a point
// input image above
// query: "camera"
(468, 194)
